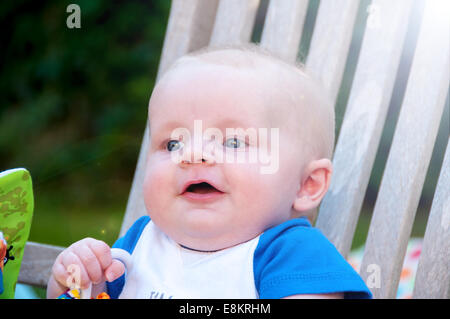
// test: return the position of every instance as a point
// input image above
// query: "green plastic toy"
(16, 212)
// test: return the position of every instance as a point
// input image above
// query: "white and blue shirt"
(288, 259)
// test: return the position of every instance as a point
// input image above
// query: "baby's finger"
(115, 270)
(60, 273)
(90, 262)
(102, 252)
(76, 273)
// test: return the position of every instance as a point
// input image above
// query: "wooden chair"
(197, 23)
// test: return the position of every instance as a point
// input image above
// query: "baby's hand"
(84, 262)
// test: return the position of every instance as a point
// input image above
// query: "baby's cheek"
(250, 188)
(156, 185)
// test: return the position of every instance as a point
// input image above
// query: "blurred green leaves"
(74, 101)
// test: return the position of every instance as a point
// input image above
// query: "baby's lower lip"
(205, 197)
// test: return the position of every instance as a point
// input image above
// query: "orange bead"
(103, 295)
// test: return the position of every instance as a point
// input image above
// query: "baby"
(229, 205)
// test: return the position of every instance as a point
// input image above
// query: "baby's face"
(244, 201)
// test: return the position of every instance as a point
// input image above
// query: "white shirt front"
(162, 269)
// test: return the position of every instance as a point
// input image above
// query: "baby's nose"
(200, 153)
(186, 161)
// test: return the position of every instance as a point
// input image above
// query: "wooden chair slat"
(433, 272)
(283, 27)
(410, 154)
(37, 263)
(234, 22)
(363, 123)
(189, 28)
(331, 41)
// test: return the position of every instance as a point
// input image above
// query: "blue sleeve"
(127, 242)
(295, 258)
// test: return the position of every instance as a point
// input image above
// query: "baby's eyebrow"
(223, 124)
(168, 126)
(231, 123)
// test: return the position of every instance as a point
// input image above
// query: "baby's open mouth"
(202, 188)
(201, 191)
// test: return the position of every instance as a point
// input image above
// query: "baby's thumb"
(115, 270)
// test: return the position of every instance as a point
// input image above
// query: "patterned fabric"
(16, 211)
(408, 274)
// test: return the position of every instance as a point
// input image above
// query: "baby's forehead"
(270, 77)
(204, 90)
(279, 88)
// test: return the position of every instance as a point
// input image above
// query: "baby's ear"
(314, 185)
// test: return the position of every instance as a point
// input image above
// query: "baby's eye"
(174, 145)
(234, 142)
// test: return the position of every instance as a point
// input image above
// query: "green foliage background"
(74, 107)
